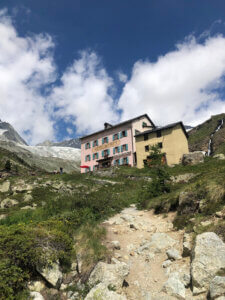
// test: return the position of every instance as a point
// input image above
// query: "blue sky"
(80, 63)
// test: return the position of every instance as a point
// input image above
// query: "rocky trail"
(142, 239)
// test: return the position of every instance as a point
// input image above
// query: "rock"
(116, 245)
(166, 263)
(36, 296)
(206, 223)
(127, 218)
(183, 178)
(52, 274)
(219, 214)
(7, 203)
(188, 203)
(220, 156)
(2, 217)
(173, 254)
(186, 279)
(28, 207)
(187, 245)
(5, 187)
(217, 287)
(160, 241)
(109, 274)
(207, 260)
(101, 292)
(27, 198)
(36, 286)
(174, 287)
(22, 188)
(193, 158)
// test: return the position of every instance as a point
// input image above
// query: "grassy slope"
(199, 136)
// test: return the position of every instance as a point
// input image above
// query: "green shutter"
(102, 141)
(114, 150)
(127, 160)
(114, 137)
(118, 149)
(93, 156)
(97, 155)
(86, 158)
(121, 148)
(118, 135)
(108, 151)
(97, 143)
(102, 153)
(118, 161)
(121, 134)
(93, 143)
(107, 140)
(126, 147)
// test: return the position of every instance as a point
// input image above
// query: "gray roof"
(119, 124)
(163, 128)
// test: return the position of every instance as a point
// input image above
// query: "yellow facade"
(174, 145)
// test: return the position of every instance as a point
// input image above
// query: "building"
(171, 139)
(114, 145)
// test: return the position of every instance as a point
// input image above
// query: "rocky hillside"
(200, 135)
(8, 133)
(73, 143)
(81, 236)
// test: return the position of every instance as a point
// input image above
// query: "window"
(160, 145)
(145, 137)
(146, 148)
(105, 140)
(87, 170)
(124, 148)
(125, 161)
(88, 157)
(115, 136)
(87, 146)
(123, 133)
(116, 162)
(144, 124)
(95, 156)
(95, 143)
(105, 153)
(116, 150)
(158, 133)
(136, 131)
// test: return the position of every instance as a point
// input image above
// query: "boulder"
(182, 178)
(36, 286)
(193, 158)
(5, 187)
(174, 287)
(166, 263)
(101, 292)
(220, 156)
(217, 287)
(27, 198)
(161, 241)
(188, 203)
(52, 274)
(7, 203)
(109, 274)
(36, 296)
(173, 254)
(22, 188)
(208, 258)
(2, 217)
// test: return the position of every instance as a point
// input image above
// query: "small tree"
(8, 165)
(155, 156)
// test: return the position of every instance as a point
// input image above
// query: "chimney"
(107, 125)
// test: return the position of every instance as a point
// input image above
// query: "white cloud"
(122, 77)
(180, 86)
(69, 130)
(84, 95)
(26, 67)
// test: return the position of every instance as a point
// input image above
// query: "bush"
(8, 166)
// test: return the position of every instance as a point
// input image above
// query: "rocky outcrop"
(52, 274)
(109, 274)
(188, 202)
(187, 245)
(101, 291)
(193, 158)
(217, 287)
(5, 187)
(7, 203)
(36, 296)
(174, 287)
(182, 178)
(220, 156)
(208, 259)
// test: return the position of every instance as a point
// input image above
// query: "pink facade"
(112, 146)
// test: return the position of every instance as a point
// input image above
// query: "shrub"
(8, 165)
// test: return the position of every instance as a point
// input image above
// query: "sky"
(67, 67)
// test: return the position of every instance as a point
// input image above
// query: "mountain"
(188, 127)
(210, 135)
(50, 157)
(72, 143)
(8, 133)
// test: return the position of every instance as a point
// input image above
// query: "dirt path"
(133, 230)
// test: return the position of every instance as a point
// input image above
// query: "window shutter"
(86, 158)
(93, 156)
(107, 140)
(126, 147)
(97, 155)
(108, 151)
(118, 161)
(118, 135)
(114, 162)
(121, 148)
(114, 137)
(102, 153)
(97, 143)
(102, 141)
(127, 160)
(118, 149)
(114, 150)
(121, 134)
(93, 143)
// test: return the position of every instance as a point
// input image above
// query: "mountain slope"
(8, 133)
(73, 143)
(200, 135)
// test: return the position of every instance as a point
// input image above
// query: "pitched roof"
(119, 124)
(163, 128)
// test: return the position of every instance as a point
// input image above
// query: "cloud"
(26, 68)
(83, 97)
(181, 85)
(122, 77)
